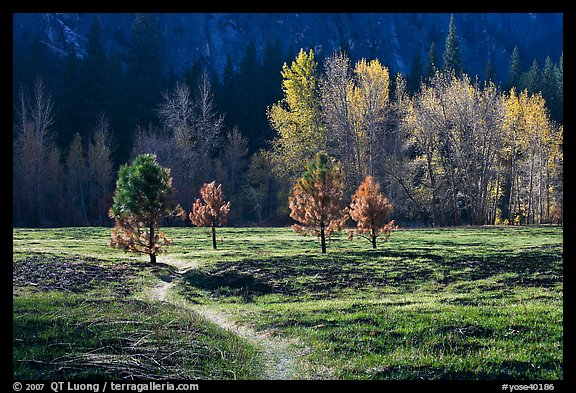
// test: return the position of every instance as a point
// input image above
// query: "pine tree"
(68, 119)
(431, 62)
(490, 73)
(452, 57)
(532, 79)
(415, 77)
(550, 88)
(515, 70)
(93, 80)
(212, 210)
(371, 210)
(144, 68)
(316, 201)
(141, 201)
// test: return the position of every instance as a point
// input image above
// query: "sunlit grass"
(451, 303)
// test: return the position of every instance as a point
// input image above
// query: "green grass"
(456, 303)
(80, 317)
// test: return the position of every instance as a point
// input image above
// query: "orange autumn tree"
(371, 210)
(316, 201)
(213, 211)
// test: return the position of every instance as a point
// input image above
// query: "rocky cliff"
(393, 38)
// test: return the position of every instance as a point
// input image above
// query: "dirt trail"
(279, 358)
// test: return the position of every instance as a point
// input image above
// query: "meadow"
(478, 303)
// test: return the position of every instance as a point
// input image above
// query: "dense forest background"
(448, 146)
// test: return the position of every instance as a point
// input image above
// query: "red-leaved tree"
(316, 201)
(371, 210)
(213, 211)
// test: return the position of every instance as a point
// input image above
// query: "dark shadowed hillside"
(393, 38)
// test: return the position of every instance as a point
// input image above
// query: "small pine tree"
(431, 63)
(371, 210)
(515, 70)
(213, 211)
(141, 201)
(316, 201)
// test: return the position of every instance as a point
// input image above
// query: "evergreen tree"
(515, 70)
(560, 80)
(141, 201)
(250, 97)
(551, 89)
(371, 210)
(144, 69)
(94, 80)
(316, 201)
(212, 210)
(67, 115)
(452, 57)
(490, 73)
(532, 79)
(415, 77)
(271, 88)
(431, 62)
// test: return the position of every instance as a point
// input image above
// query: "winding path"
(279, 358)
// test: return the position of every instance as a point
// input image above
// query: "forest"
(445, 147)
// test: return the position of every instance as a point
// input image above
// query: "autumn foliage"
(371, 210)
(316, 201)
(213, 211)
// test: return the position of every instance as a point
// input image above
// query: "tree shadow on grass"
(402, 271)
(509, 370)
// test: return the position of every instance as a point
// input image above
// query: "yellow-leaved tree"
(296, 118)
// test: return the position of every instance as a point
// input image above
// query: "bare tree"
(33, 148)
(100, 170)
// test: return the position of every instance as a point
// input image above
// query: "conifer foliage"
(141, 201)
(316, 201)
(213, 211)
(371, 210)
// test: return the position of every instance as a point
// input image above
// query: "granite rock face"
(392, 38)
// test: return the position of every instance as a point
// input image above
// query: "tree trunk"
(214, 235)
(151, 245)
(322, 238)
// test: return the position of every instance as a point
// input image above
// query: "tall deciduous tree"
(77, 181)
(141, 201)
(33, 151)
(100, 170)
(370, 103)
(296, 117)
(212, 210)
(316, 201)
(371, 210)
(335, 94)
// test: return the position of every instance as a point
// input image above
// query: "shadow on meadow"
(400, 270)
(491, 371)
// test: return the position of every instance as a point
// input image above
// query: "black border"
(358, 6)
